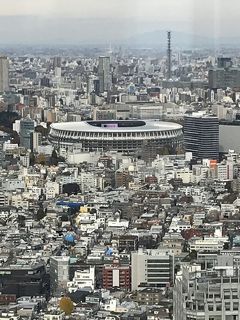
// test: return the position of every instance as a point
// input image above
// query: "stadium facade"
(125, 136)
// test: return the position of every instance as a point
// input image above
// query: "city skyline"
(114, 21)
(119, 160)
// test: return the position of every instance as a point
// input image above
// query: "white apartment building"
(82, 279)
(225, 171)
(51, 189)
(54, 315)
(208, 243)
(211, 294)
(13, 184)
(117, 223)
(178, 225)
(152, 267)
(88, 181)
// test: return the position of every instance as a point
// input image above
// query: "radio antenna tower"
(169, 55)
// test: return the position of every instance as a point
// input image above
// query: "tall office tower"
(169, 56)
(4, 74)
(90, 83)
(224, 75)
(152, 268)
(96, 85)
(224, 62)
(104, 74)
(45, 82)
(26, 129)
(201, 135)
(57, 61)
(36, 140)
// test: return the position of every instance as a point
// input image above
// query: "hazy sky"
(112, 20)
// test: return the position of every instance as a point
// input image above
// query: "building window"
(210, 307)
(219, 307)
(227, 306)
(235, 306)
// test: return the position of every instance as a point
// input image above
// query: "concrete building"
(59, 272)
(54, 315)
(12, 184)
(147, 112)
(4, 199)
(23, 279)
(83, 279)
(224, 75)
(208, 244)
(52, 189)
(4, 74)
(104, 73)
(152, 268)
(150, 296)
(116, 275)
(87, 181)
(25, 160)
(26, 129)
(36, 140)
(57, 62)
(225, 171)
(4, 138)
(211, 294)
(228, 136)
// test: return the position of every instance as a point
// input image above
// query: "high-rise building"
(4, 137)
(45, 82)
(169, 56)
(224, 75)
(201, 135)
(90, 84)
(96, 85)
(26, 129)
(104, 74)
(152, 268)
(57, 61)
(224, 62)
(36, 140)
(4, 74)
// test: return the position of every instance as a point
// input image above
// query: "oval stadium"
(125, 136)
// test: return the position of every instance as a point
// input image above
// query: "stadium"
(125, 136)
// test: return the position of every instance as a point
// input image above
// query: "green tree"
(42, 130)
(54, 158)
(40, 214)
(32, 159)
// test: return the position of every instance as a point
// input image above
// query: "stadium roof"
(116, 126)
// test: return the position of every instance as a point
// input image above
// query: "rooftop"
(116, 125)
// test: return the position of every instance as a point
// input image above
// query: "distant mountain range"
(31, 30)
(181, 40)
